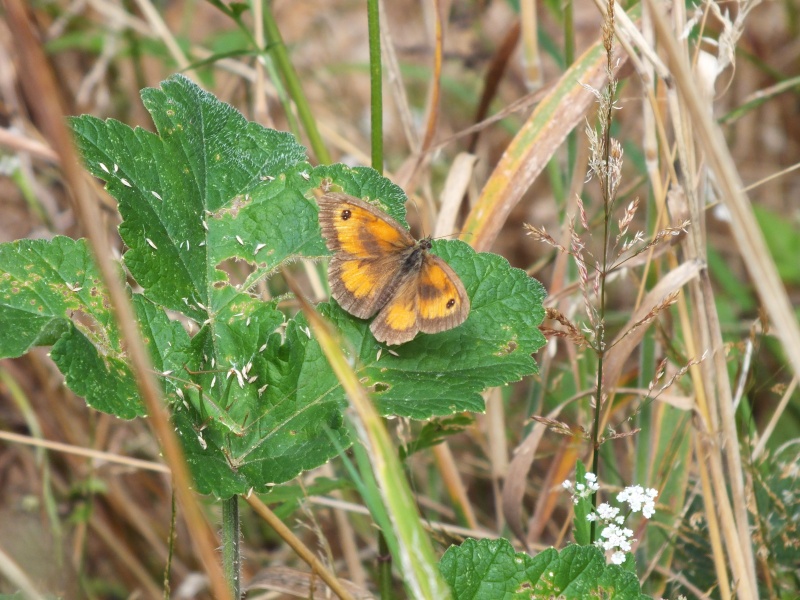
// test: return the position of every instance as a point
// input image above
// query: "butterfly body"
(378, 268)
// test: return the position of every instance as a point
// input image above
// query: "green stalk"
(384, 568)
(376, 118)
(606, 175)
(170, 547)
(283, 97)
(281, 57)
(375, 80)
(415, 555)
(231, 555)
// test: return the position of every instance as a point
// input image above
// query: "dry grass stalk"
(561, 427)
(663, 305)
(570, 332)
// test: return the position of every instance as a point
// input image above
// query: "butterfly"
(378, 268)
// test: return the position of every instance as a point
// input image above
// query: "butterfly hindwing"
(431, 301)
(443, 301)
(398, 321)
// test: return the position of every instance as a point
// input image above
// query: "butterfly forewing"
(367, 245)
(351, 226)
(358, 284)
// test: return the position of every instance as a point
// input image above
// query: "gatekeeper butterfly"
(377, 267)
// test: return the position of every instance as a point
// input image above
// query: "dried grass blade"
(622, 346)
(548, 126)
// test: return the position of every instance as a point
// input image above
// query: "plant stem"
(231, 555)
(278, 49)
(170, 548)
(376, 79)
(384, 568)
(608, 191)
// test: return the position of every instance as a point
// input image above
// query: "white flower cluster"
(582, 490)
(614, 537)
(639, 499)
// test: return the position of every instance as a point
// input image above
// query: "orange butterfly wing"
(443, 301)
(431, 301)
(369, 250)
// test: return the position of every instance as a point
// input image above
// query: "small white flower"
(639, 499)
(607, 512)
(615, 539)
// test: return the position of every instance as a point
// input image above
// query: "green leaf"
(262, 418)
(213, 206)
(435, 432)
(782, 234)
(105, 382)
(285, 415)
(189, 196)
(210, 191)
(43, 283)
(444, 373)
(491, 569)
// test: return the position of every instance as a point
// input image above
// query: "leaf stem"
(231, 553)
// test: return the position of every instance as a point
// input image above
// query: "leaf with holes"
(212, 208)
